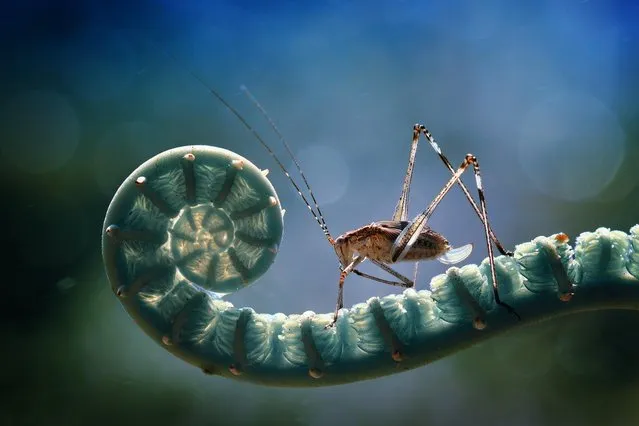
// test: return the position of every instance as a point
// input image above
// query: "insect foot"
(332, 323)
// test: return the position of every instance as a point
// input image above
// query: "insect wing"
(456, 255)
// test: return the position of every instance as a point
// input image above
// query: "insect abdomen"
(429, 245)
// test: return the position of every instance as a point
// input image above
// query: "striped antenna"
(257, 136)
(290, 154)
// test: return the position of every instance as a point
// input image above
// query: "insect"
(391, 241)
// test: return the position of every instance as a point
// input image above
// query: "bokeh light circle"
(326, 171)
(571, 146)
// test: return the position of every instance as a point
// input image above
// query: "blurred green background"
(543, 92)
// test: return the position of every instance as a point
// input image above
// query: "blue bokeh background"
(543, 92)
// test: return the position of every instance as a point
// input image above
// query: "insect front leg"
(340, 287)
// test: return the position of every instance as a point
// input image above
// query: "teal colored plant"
(195, 223)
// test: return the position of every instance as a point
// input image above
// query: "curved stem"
(546, 278)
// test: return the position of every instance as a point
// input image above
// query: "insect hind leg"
(409, 234)
(420, 128)
(484, 218)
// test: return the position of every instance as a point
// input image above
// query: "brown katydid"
(390, 241)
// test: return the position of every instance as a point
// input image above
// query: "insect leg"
(415, 269)
(401, 210)
(420, 128)
(408, 236)
(405, 282)
(340, 289)
(382, 280)
(402, 206)
(400, 214)
(484, 214)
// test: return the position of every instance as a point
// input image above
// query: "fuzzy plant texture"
(195, 223)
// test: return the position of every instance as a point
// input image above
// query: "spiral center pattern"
(201, 228)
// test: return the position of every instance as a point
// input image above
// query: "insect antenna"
(290, 154)
(257, 136)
